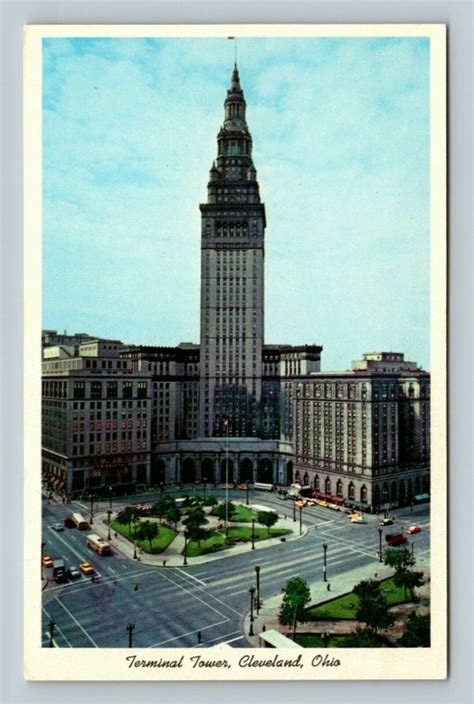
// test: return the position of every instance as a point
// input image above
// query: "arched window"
(327, 485)
(351, 492)
(384, 492)
(306, 479)
(363, 493)
(316, 483)
(339, 488)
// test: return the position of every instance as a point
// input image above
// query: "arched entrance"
(188, 471)
(227, 476)
(208, 473)
(289, 472)
(246, 470)
(265, 471)
(363, 494)
(158, 473)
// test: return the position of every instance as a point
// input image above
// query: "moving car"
(353, 515)
(87, 568)
(385, 522)
(359, 519)
(413, 529)
(47, 561)
(57, 526)
(394, 539)
(73, 573)
(301, 503)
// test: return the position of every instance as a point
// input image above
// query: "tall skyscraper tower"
(232, 290)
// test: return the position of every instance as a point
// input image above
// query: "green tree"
(162, 506)
(417, 632)
(147, 530)
(372, 608)
(267, 518)
(401, 561)
(194, 523)
(127, 517)
(296, 598)
(210, 501)
(408, 580)
(224, 509)
(173, 516)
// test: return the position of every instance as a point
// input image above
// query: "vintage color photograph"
(235, 345)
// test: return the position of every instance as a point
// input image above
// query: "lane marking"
(77, 622)
(56, 628)
(191, 576)
(69, 547)
(190, 633)
(194, 596)
(209, 595)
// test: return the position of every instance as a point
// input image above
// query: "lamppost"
(134, 549)
(301, 520)
(253, 533)
(130, 629)
(257, 573)
(185, 561)
(204, 480)
(413, 550)
(109, 511)
(248, 492)
(380, 545)
(252, 592)
(294, 511)
(92, 508)
(110, 498)
(325, 549)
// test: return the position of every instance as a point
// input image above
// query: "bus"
(101, 546)
(263, 487)
(79, 521)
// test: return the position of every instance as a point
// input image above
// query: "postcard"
(235, 352)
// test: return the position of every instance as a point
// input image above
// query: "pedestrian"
(115, 535)
(164, 563)
(329, 587)
(376, 575)
(199, 637)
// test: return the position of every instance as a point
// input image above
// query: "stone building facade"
(234, 409)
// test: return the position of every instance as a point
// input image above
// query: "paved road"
(171, 605)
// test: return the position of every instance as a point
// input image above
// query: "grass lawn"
(314, 640)
(243, 514)
(345, 606)
(217, 540)
(163, 539)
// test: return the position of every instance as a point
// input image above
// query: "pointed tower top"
(235, 80)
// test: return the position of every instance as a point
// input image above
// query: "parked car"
(73, 573)
(87, 568)
(359, 519)
(353, 514)
(58, 527)
(413, 529)
(386, 522)
(47, 561)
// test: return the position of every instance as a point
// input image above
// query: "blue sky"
(341, 146)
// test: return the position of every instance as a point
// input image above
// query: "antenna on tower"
(234, 39)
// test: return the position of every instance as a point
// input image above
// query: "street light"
(253, 533)
(294, 511)
(204, 480)
(110, 499)
(109, 511)
(248, 492)
(252, 592)
(185, 561)
(325, 549)
(52, 626)
(92, 508)
(134, 549)
(301, 520)
(380, 545)
(257, 573)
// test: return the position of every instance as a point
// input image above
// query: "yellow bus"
(79, 521)
(101, 546)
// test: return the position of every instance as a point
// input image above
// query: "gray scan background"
(458, 15)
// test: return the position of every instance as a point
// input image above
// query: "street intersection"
(204, 604)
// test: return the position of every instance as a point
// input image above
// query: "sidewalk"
(173, 555)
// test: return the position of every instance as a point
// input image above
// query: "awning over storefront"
(422, 497)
